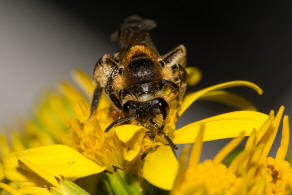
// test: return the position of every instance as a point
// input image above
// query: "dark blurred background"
(41, 41)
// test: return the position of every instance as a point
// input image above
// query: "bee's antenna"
(118, 121)
(160, 130)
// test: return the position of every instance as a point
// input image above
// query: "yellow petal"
(256, 155)
(17, 143)
(261, 187)
(282, 151)
(1, 172)
(240, 159)
(160, 167)
(103, 111)
(265, 127)
(35, 191)
(48, 121)
(189, 99)
(249, 147)
(58, 107)
(251, 141)
(194, 75)
(182, 163)
(4, 148)
(126, 132)
(133, 146)
(40, 137)
(220, 156)
(274, 130)
(72, 95)
(230, 99)
(104, 103)
(130, 155)
(26, 184)
(222, 126)
(56, 159)
(59, 183)
(197, 148)
(9, 189)
(81, 110)
(84, 82)
(47, 176)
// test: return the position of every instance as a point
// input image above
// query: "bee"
(139, 82)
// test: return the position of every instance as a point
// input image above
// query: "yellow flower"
(62, 141)
(42, 181)
(251, 172)
(274, 171)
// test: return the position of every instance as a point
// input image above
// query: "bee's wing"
(134, 30)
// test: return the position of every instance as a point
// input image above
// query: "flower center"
(274, 174)
(210, 177)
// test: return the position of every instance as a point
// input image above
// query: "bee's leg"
(173, 64)
(94, 101)
(177, 81)
(102, 73)
(116, 168)
(182, 89)
(116, 101)
(116, 57)
(170, 84)
(177, 109)
(160, 130)
(175, 56)
(144, 155)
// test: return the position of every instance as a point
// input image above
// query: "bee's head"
(145, 110)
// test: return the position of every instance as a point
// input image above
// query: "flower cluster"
(61, 144)
(252, 171)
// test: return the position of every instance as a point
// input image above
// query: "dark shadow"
(227, 41)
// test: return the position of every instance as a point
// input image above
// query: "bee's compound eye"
(161, 63)
(162, 107)
(130, 108)
(121, 71)
(174, 67)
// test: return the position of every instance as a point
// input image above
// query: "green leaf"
(120, 183)
(72, 189)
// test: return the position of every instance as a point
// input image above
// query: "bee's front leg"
(95, 100)
(102, 74)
